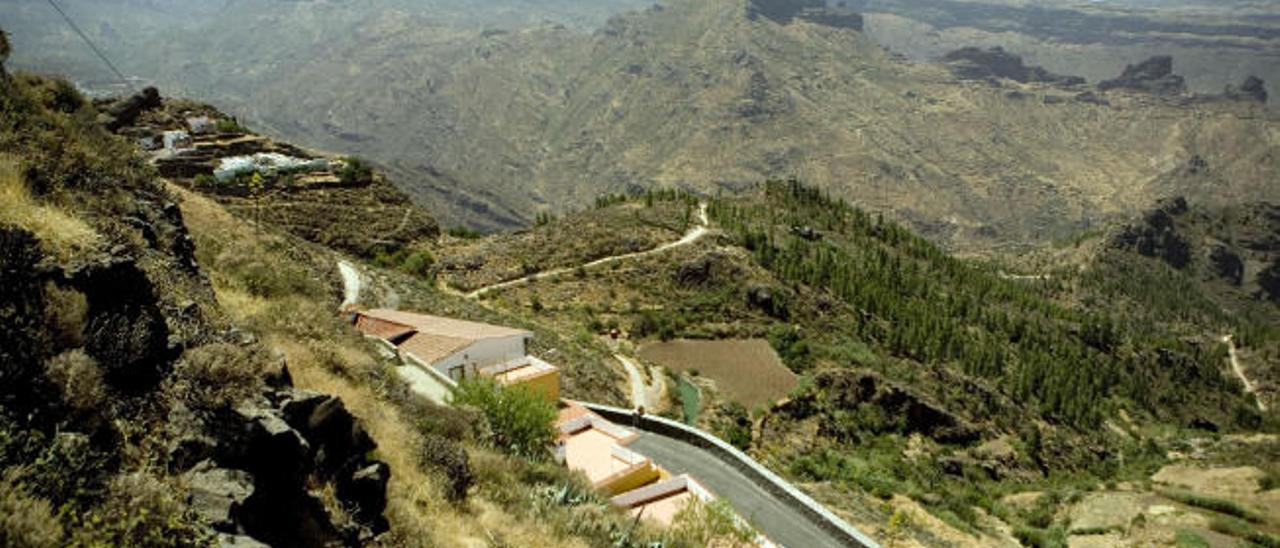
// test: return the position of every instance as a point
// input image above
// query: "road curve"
(774, 518)
(690, 237)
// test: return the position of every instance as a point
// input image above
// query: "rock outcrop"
(1154, 76)
(848, 401)
(1157, 235)
(1252, 89)
(126, 111)
(982, 64)
(813, 11)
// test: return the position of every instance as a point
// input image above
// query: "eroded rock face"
(1226, 264)
(851, 400)
(1157, 236)
(126, 111)
(1269, 282)
(980, 64)
(1154, 76)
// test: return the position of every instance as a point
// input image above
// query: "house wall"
(481, 354)
(546, 385)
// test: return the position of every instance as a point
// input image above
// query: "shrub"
(355, 171)
(229, 125)
(1240, 529)
(520, 420)
(79, 378)
(142, 511)
(702, 523)
(450, 458)
(216, 376)
(25, 521)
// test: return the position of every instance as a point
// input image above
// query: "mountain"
(490, 125)
(1214, 43)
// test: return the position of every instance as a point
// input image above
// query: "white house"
(456, 349)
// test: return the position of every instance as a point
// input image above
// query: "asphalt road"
(778, 521)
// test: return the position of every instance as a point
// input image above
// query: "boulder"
(218, 495)
(896, 408)
(1269, 282)
(1154, 76)
(338, 439)
(365, 489)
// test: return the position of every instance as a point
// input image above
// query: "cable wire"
(92, 46)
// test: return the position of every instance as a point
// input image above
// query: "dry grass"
(61, 233)
(323, 360)
(748, 372)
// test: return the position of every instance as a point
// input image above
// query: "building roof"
(431, 348)
(445, 327)
(519, 369)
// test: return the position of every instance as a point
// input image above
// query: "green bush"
(229, 125)
(690, 400)
(521, 422)
(1189, 539)
(355, 171)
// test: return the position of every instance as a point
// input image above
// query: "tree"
(521, 422)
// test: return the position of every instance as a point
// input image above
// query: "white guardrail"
(765, 478)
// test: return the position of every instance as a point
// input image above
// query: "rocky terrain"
(491, 127)
(126, 389)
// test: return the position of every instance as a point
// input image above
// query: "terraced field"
(746, 371)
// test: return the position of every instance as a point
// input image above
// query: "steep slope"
(491, 127)
(938, 385)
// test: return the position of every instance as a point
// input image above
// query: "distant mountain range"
(489, 125)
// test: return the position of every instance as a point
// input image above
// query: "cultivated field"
(746, 371)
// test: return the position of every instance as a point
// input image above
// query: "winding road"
(1249, 388)
(771, 516)
(690, 237)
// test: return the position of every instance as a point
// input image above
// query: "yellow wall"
(634, 478)
(547, 385)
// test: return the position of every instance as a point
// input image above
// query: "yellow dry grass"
(60, 233)
(416, 508)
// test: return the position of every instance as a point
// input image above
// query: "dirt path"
(648, 396)
(690, 237)
(1235, 366)
(350, 283)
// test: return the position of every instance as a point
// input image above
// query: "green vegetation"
(1240, 529)
(690, 399)
(520, 420)
(1189, 539)
(916, 302)
(1217, 505)
(702, 523)
(416, 261)
(355, 171)
(229, 125)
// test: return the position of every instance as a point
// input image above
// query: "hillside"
(491, 125)
(176, 372)
(937, 385)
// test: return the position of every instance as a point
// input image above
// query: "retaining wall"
(766, 479)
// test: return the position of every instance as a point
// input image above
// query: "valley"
(961, 290)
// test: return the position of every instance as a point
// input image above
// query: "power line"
(91, 45)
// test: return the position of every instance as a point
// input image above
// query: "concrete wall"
(765, 478)
(482, 354)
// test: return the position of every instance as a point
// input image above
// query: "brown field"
(746, 371)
